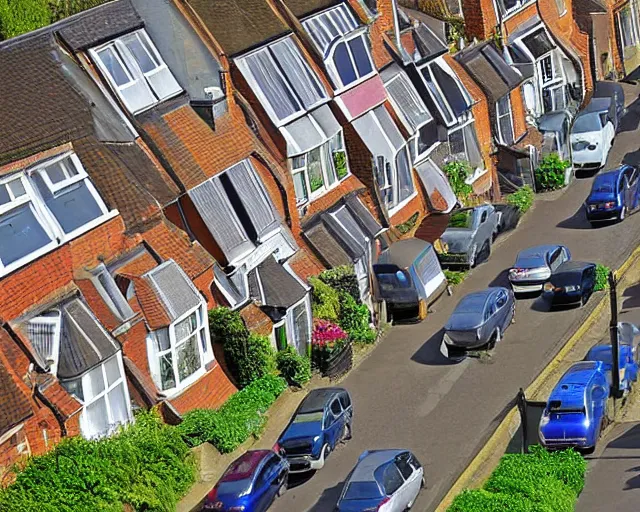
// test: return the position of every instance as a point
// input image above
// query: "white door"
(412, 478)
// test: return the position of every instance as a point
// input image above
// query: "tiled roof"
(14, 404)
(153, 310)
(239, 26)
(278, 288)
(100, 24)
(303, 7)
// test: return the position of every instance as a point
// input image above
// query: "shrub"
(342, 279)
(340, 163)
(354, 319)
(522, 199)
(295, 368)
(602, 278)
(258, 361)
(457, 172)
(147, 466)
(409, 224)
(21, 16)
(479, 500)
(327, 335)
(325, 300)
(239, 417)
(454, 277)
(550, 173)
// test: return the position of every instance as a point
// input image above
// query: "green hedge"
(325, 302)
(522, 199)
(549, 174)
(342, 279)
(354, 319)
(293, 367)
(541, 481)
(147, 466)
(239, 418)
(602, 278)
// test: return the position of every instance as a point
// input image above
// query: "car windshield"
(587, 123)
(362, 491)
(393, 280)
(462, 219)
(308, 417)
(234, 487)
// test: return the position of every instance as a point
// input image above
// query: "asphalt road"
(406, 395)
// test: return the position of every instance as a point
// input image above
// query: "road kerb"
(502, 434)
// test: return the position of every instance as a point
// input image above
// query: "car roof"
(244, 466)
(317, 399)
(370, 461)
(573, 384)
(600, 104)
(475, 301)
(609, 176)
(535, 252)
(572, 267)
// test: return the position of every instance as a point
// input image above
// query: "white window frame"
(86, 385)
(43, 215)
(206, 356)
(414, 141)
(514, 10)
(635, 28)
(55, 349)
(500, 116)
(290, 320)
(312, 196)
(114, 303)
(340, 86)
(554, 75)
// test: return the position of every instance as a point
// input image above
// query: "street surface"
(406, 395)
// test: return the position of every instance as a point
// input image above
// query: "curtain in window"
(329, 25)
(42, 332)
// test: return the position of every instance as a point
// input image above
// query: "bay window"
(546, 69)
(505, 120)
(44, 207)
(320, 169)
(463, 144)
(104, 396)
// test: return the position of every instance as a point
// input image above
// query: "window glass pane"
(186, 327)
(456, 144)
(142, 52)
(343, 64)
(314, 167)
(404, 468)
(546, 69)
(339, 156)
(55, 172)
(427, 136)
(114, 68)
(506, 130)
(435, 94)
(392, 479)
(503, 105)
(162, 340)
(301, 325)
(188, 358)
(360, 56)
(559, 98)
(298, 162)
(405, 183)
(300, 187)
(74, 387)
(96, 417)
(113, 371)
(118, 405)
(167, 377)
(4, 195)
(20, 233)
(96, 383)
(329, 164)
(17, 188)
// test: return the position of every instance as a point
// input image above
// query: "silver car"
(534, 266)
(469, 235)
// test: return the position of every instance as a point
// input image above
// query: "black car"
(571, 283)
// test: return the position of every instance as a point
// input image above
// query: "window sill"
(401, 205)
(478, 173)
(319, 194)
(186, 385)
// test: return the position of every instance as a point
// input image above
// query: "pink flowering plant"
(327, 335)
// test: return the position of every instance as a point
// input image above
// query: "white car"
(592, 134)
(384, 481)
(534, 266)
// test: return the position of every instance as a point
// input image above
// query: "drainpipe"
(396, 24)
(56, 412)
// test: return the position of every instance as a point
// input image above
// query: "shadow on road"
(541, 305)
(298, 479)
(583, 174)
(577, 221)
(631, 297)
(429, 353)
(632, 158)
(631, 120)
(502, 279)
(328, 499)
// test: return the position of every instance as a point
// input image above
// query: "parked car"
(575, 413)
(469, 235)
(382, 481)
(628, 365)
(612, 90)
(250, 483)
(321, 421)
(571, 283)
(534, 266)
(409, 278)
(613, 194)
(592, 134)
(480, 319)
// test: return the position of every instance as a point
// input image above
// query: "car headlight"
(544, 421)
(609, 205)
(315, 439)
(572, 288)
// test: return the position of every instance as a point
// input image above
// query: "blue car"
(613, 194)
(534, 266)
(382, 481)
(575, 414)
(250, 483)
(322, 420)
(480, 319)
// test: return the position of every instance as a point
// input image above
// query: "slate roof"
(274, 285)
(302, 8)
(14, 405)
(239, 26)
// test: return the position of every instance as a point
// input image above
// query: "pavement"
(406, 395)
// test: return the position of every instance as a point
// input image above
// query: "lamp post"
(613, 335)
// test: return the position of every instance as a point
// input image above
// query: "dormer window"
(135, 70)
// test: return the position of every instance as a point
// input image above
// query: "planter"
(335, 363)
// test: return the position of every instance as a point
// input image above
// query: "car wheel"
(326, 450)
(495, 339)
(472, 256)
(283, 486)
(423, 483)
(623, 214)
(344, 436)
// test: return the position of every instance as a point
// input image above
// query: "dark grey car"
(480, 319)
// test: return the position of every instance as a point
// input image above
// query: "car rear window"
(462, 219)
(393, 281)
(362, 491)
(558, 407)
(587, 123)
(308, 417)
(602, 186)
(234, 486)
(567, 278)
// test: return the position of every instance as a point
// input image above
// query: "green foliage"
(258, 361)
(325, 302)
(602, 278)
(540, 481)
(454, 277)
(550, 173)
(354, 319)
(239, 418)
(340, 163)
(21, 16)
(342, 279)
(147, 466)
(457, 172)
(295, 368)
(408, 225)
(522, 199)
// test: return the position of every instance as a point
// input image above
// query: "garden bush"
(258, 361)
(479, 500)
(549, 174)
(325, 302)
(146, 466)
(454, 277)
(342, 279)
(22, 16)
(240, 417)
(602, 277)
(457, 172)
(522, 199)
(354, 319)
(294, 368)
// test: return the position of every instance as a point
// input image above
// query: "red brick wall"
(518, 111)
(479, 18)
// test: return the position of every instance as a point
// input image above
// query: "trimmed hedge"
(239, 417)
(541, 481)
(342, 279)
(325, 302)
(602, 277)
(293, 367)
(522, 198)
(147, 466)
(354, 319)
